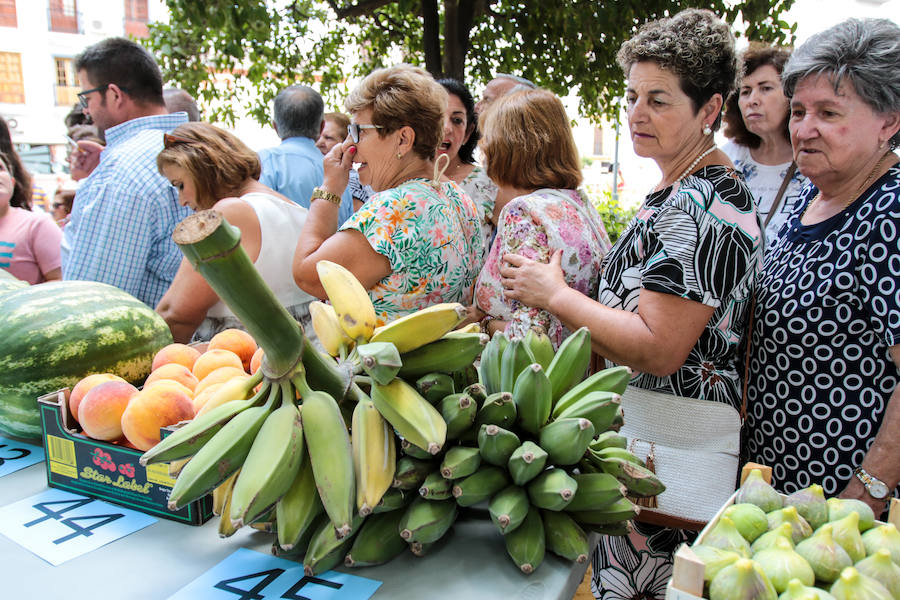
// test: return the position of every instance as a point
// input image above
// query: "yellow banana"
(350, 300)
(328, 329)
(421, 327)
(237, 388)
(221, 494)
(411, 415)
(226, 527)
(374, 455)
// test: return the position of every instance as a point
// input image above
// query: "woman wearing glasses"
(417, 241)
(211, 168)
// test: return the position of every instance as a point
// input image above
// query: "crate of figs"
(764, 545)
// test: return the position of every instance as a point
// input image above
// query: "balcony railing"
(64, 23)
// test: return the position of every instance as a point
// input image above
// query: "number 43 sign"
(249, 575)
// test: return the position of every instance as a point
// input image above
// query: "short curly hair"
(216, 160)
(695, 45)
(756, 56)
(402, 96)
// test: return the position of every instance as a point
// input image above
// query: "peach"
(238, 341)
(100, 411)
(84, 386)
(170, 385)
(181, 354)
(220, 375)
(174, 372)
(211, 360)
(201, 398)
(152, 408)
(256, 361)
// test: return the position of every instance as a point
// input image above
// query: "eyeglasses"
(82, 96)
(170, 140)
(354, 128)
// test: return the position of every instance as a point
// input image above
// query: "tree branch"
(360, 9)
(431, 38)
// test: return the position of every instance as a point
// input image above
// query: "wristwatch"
(876, 488)
(324, 195)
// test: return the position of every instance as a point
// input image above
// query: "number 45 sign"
(249, 575)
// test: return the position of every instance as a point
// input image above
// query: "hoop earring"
(707, 130)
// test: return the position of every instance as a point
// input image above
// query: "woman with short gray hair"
(824, 386)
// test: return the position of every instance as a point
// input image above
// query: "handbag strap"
(776, 203)
(747, 357)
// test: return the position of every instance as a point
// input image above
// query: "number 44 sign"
(249, 575)
(58, 526)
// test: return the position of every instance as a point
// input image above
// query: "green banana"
(411, 472)
(619, 528)
(326, 550)
(497, 444)
(460, 461)
(564, 537)
(596, 491)
(476, 392)
(458, 411)
(426, 521)
(480, 485)
(531, 393)
(272, 463)
(526, 543)
(410, 414)
(187, 440)
(552, 490)
(605, 453)
(380, 360)
(540, 346)
(498, 409)
(599, 408)
(414, 451)
(296, 511)
(463, 378)
(489, 367)
(566, 440)
(374, 455)
(221, 456)
(436, 487)
(419, 549)
(570, 362)
(447, 355)
(377, 542)
(508, 508)
(619, 420)
(331, 455)
(639, 480)
(515, 358)
(613, 380)
(393, 499)
(526, 462)
(435, 386)
(608, 439)
(620, 510)
(298, 549)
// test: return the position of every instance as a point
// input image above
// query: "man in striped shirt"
(122, 219)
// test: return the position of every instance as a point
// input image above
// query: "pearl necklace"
(690, 168)
(859, 190)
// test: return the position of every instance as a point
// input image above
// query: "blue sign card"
(18, 455)
(249, 574)
(58, 526)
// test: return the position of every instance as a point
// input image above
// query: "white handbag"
(693, 447)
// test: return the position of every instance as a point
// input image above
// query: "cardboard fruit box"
(107, 471)
(687, 572)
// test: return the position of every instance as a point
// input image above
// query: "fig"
(838, 508)
(725, 536)
(749, 519)
(826, 557)
(853, 585)
(797, 591)
(714, 559)
(846, 533)
(810, 503)
(767, 539)
(882, 569)
(743, 580)
(800, 529)
(883, 536)
(756, 490)
(781, 564)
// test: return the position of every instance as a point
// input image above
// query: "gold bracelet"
(325, 195)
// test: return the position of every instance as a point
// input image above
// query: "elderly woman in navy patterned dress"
(674, 290)
(824, 388)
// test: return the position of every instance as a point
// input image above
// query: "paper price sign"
(249, 575)
(18, 455)
(58, 526)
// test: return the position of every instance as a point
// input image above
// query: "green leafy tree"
(564, 46)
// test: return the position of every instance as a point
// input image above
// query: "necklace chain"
(697, 160)
(859, 190)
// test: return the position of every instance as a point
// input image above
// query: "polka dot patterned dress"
(827, 311)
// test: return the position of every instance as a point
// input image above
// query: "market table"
(157, 561)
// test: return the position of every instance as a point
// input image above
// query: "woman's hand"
(532, 283)
(337, 164)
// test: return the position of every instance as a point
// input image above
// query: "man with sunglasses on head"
(120, 229)
(294, 167)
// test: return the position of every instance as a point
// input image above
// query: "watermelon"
(55, 333)
(8, 282)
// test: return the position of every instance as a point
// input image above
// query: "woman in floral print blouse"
(417, 241)
(531, 155)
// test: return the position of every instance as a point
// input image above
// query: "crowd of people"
(762, 277)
